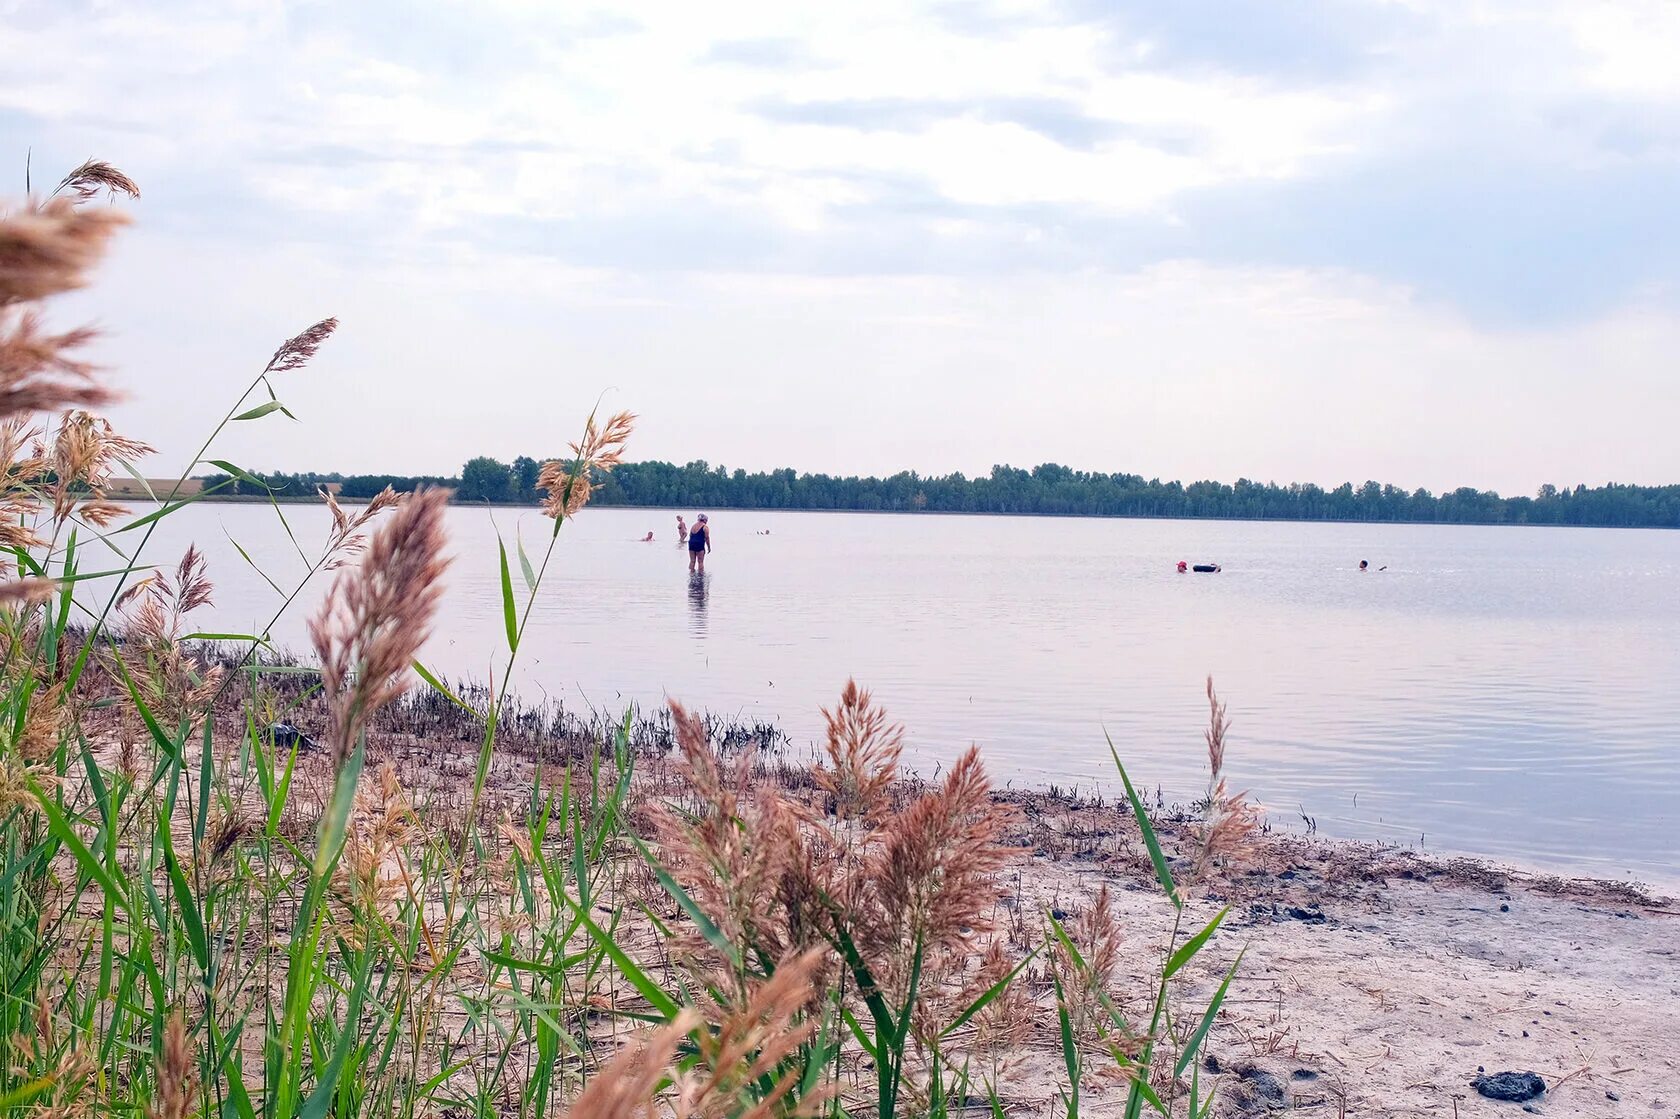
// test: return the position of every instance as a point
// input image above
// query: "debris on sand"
(1518, 1087)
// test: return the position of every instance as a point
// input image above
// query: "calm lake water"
(1499, 691)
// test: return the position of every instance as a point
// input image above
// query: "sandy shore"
(1377, 982)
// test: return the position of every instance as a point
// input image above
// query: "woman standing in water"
(699, 543)
(682, 530)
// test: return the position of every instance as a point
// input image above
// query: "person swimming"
(1364, 565)
(648, 539)
(699, 543)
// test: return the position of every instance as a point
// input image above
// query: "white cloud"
(859, 237)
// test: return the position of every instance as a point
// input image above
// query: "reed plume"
(346, 540)
(570, 484)
(48, 249)
(627, 1087)
(745, 1047)
(177, 1073)
(27, 591)
(938, 860)
(296, 351)
(736, 850)
(85, 451)
(154, 623)
(863, 749)
(95, 175)
(1231, 819)
(378, 614)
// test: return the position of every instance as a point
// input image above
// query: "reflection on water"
(697, 591)
(1502, 691)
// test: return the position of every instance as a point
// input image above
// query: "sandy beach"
(1376, 982)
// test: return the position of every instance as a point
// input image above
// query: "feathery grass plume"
(295, 352)
(177, 1073)
(382, 830)
(1086, 981)
(346, 539)
(938, 859)
(43, 724)
(47, 250)
(28, 591)
(154, 623)
(744, 1070)
(569, 484)
(1002, 1027)
(378, 614)
(627, 1087)
(85, 451)
(95, 175)
(863, 750)
(736, 850)
(1231, 820)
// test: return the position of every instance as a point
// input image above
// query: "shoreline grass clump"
(205, 910)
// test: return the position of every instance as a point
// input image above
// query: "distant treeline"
(1048, 489)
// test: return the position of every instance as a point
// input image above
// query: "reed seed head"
(295, 352)
(378, 614)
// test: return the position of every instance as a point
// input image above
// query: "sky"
(1429, 243)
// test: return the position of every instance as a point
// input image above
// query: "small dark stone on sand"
(1211, 1063)
(1311, 914)
(1286, 874)
(1531, 1109)
(1612, 1097)
(1059, 914)
(1303, 1074)
(1517, 1087)
(1504, 909)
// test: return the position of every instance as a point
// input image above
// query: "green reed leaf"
(1162, 871)
(259, 411)
(510, 612)
(1195, 1042)
(1187, 951)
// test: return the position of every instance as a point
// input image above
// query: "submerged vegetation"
(478, 909)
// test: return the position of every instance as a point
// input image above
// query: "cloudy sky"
(1433, 243)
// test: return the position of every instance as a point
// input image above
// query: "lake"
(1500, 691)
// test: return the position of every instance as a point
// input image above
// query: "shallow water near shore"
(1507, 692)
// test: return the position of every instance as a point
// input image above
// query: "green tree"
(485, 479)
(526, 470)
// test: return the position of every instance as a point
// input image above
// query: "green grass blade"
(525, 568)
(1162, 871)
(1195, 1042)
(708, 928)
(637, 978)
(1070, 1048)
(259, 411)
(510, 612)
(437, 685)
(987, 996)
(61, 829)
(1187, 951)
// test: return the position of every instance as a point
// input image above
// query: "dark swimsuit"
(697, 539)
